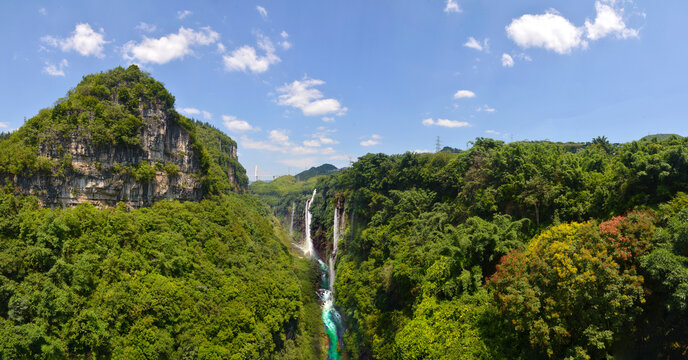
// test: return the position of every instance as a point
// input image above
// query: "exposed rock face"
(105, 176)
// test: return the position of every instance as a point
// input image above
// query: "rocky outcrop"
(164, 166)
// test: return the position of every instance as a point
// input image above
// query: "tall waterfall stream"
(330, 316)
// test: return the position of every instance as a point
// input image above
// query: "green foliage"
(426, 230)
(177, 281)
(105, 110)
(566, 292)
(144, 173)
(323, 169)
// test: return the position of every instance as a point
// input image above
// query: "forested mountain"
(128, 231)
(323, 169)
(117, 137)
(523, 250)
(149, 277)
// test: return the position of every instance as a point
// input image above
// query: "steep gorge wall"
(108, 175)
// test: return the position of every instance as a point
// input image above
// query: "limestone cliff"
(113, 140)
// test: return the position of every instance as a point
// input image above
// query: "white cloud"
(311, 143)
(323, 136)
(280, 137)
(248, 143)
(418, 151)
(279, 142)
(328, 119)
(550, 31)
(84, 40)
(609, 21)
(193, 111)
(236, 125)
(507, 60)
(262, 11)
(221, 48)
(245, 58)
(445, 123)
(300, 163)
(169, 47)
(149, 28)
(302, 95)
(284, 43)
(42, 11)
(452, 6)
(486, 108)
(464, 94)
(475, 44)
(374, 140)
(182, 14)
(56, 70)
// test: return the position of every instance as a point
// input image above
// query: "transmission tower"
(438, 146)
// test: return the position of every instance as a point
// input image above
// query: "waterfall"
(309, 250)
(291, 225)
(336, 232)
(330, 316)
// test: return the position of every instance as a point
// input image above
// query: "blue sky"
(300, 83)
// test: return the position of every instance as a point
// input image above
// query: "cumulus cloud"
(169, 47)
(507, 60)
(280, 137)
(554, 32)
(182, 14)
(42, 11)
(373, 140)
(84, 40)
(485, 108)
(452, 6)
(56, 70)
(246, 58)
(193, 111)
(236, 125)
(305, 163)
(550, 31)
(4, 125)
(323, 137)
(302, 95)
(609, 21)
(477, 45)
(278, 141)
(262, 11)
(464, 94)
(445, 123)
(328, 119)
(149, 28)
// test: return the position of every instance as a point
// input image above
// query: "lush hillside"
(526, 250)
(212, 278)
(118, 127)
(323, 169)
(205, 280)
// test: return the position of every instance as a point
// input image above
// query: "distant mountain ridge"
(323, 169)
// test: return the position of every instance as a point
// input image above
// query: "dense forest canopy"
(205, 280)
(522, 250)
